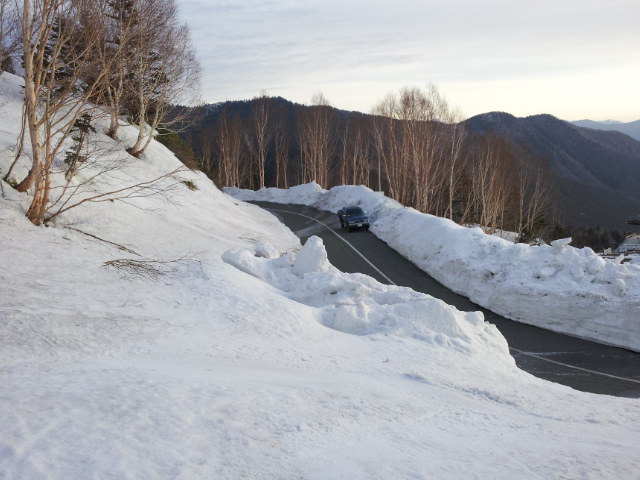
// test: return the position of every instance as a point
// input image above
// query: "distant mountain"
(596, 172)
(631, 128)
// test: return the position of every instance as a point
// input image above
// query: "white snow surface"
(557, 287)
(252, 358)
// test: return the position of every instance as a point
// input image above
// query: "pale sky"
(574, 59)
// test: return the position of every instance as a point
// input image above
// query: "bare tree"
(452, 172)
(9, 35)
(386, 148)
(531, 195)
(281, 149)
(229, 149)
(206, 155)
(18, 147)
(259, 138)
(57, 39)
(162, 186)
(492, 182)
(316, 140)
(409, 139)
(165, 70)
(123, 33)
(354, 159)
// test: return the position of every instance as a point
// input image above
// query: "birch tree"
(229, 150)
(532, 195)
(316, 139)
(281, 146)
(355, 152)
(259, 138)
(57, 44)
(122, 36)
(165, 70)
(410, 134)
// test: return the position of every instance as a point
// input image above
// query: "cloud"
(296, 48)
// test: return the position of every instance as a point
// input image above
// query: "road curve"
(577, 363)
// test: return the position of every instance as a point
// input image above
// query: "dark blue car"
(353, 217)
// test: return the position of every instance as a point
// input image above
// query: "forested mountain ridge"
(596, 172)
(593, 174)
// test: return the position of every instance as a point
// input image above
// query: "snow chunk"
(546, 272)
(352, 318)
(621, 286)
(265, 250)
(561, 242)
(312, 258)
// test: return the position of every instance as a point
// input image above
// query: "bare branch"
(117, 245)
(148, 269)
(139, 190)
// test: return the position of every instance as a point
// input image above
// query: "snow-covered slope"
(246, 357)
(556, 286)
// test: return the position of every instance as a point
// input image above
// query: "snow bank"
(556, 286)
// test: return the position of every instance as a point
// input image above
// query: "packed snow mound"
(312, 258)
(357, 304)
(555, 286)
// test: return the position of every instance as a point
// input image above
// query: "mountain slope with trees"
(595, 172)
(589, 175)
(413, 148)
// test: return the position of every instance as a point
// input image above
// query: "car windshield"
(354, 211)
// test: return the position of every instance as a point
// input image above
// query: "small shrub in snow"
(148, 269)
(190, 185)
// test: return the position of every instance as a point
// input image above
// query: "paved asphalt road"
(580, 364)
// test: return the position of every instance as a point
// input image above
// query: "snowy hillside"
(234, 354)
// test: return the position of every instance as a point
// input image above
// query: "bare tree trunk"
(260, 136)
(456, 139)
(206, 157)
(19, 144)
(31, 90)
(281, 145)
(316, 141)
(229, 150)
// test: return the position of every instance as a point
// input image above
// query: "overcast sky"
(574, 59)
